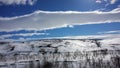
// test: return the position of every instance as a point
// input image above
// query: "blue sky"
(56, 5)
(36, 19)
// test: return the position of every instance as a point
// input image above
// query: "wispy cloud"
(107, 1)
(98, 1)
(22, 34)
(17, 2)
(102, 36)
(41, 20)
(112, 1)
(109, 32)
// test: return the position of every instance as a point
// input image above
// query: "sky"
(43, 19)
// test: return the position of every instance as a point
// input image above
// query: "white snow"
(61, 45)
(111, 41)
(60, 50)
(21, 47)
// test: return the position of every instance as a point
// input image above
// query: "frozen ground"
(61, 53)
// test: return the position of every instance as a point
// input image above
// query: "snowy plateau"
(61, 53)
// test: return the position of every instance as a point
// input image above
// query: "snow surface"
(60, 45)
(71, 50)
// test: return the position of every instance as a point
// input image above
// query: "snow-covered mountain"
(52, 50)
(59, 45)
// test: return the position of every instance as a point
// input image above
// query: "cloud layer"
(23, 34)
(17, 2)
(107, 1)
(102, 36)
(110, 32)
(41, 20)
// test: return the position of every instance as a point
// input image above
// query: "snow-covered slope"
(85, 51)
(59, 45)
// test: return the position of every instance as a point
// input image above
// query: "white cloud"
(111, 41)
(113, 1)
(103, 36)
(116, 9)
(98, 1)
(22, 34)
(24, 2)
(110, 2)
(41, 20)
(109, 32)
